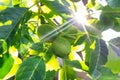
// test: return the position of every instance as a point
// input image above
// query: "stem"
(64, 67)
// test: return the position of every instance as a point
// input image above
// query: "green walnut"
(61, 47)
(43, 30)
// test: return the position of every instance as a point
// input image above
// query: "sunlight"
(81, 14)
(102, 2)
(80, 17)
(96, 14)
(110, 34)
(31, 3)
(13, 51)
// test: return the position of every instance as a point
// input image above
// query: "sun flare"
(80, 17)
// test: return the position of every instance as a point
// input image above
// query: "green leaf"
(10, 19)
(113, 60)
(106, 21)
(49, 54)
(4, 46)
(16, 2)
(70, 73)
(66, 73)
(99, 56)
(115, 45)
(74, 63)
(107, 74)
(32, 68)
(56, 6)
(111, 12)
(93, 2)
(70, 34)
(114, 3)
(50, 75)
(37, 46)
(109, 18)
(88, 52)
(65, 2)
(80, 40)
(6, 63)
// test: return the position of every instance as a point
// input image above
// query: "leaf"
(91, 3)
(65, 2)
(66, 73)
(99, 56)
(12, 72)
(107, 74)
(106, 21)
(32, 68)
(37, 46)
(70, 73)
(88, 52)
(50, 75)
(114, 3)
(111, 12)
(80, 40)
(109, 18)
(70, 34)
(115, 45)
(113, 62)
(74, 63)
(56, 6)
(6, 63)
(52, 64)
(13, 17)
(4, 46)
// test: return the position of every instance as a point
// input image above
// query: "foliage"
(59, 39)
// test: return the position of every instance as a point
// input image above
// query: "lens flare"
(80, 17)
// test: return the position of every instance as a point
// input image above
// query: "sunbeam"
(81, 17)
(58, 30)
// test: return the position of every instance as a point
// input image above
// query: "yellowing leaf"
(1, 24)
(33, 52)
(13, 51)
(17, 62)
(2, 7)
(9, 22)
(93, 45)
(46, 9)
(73, 54)
(52, 64)
(84, 66)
